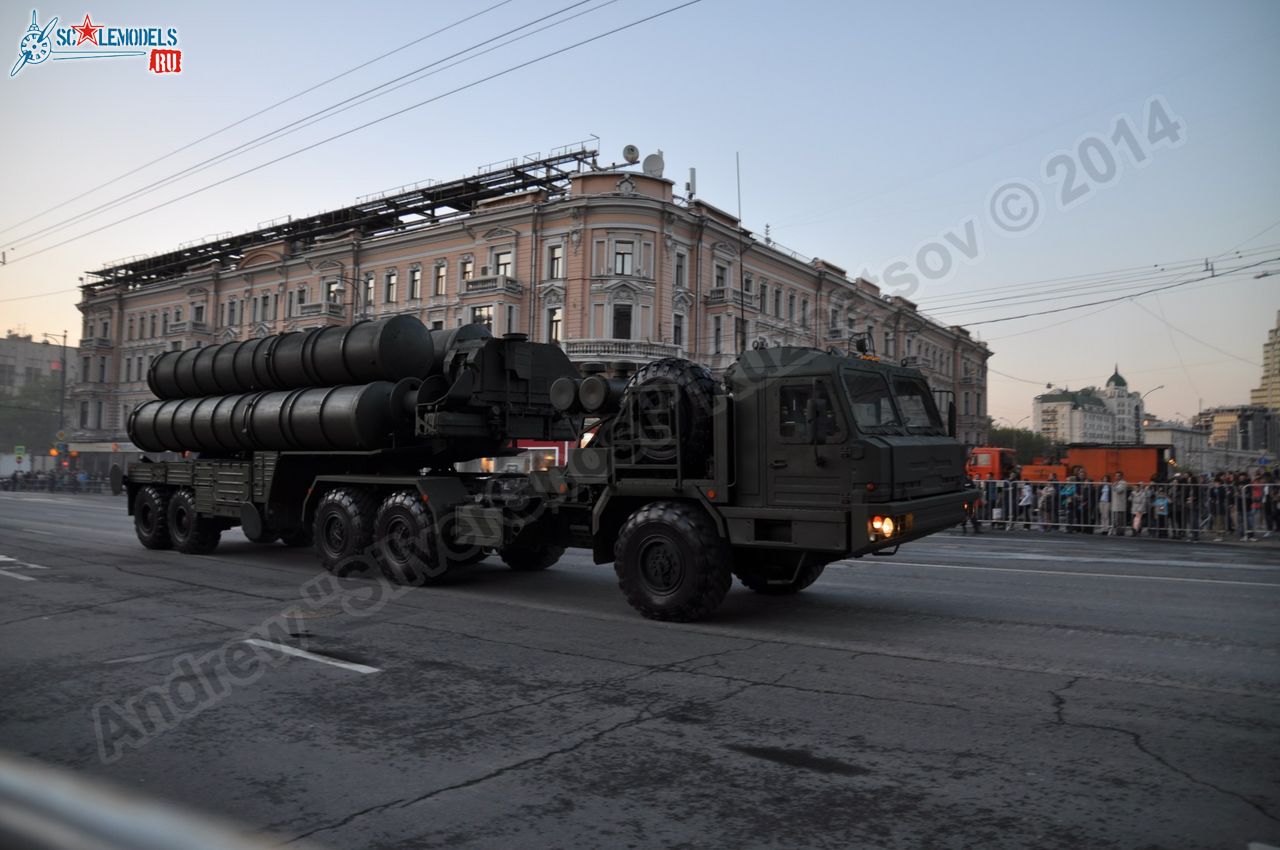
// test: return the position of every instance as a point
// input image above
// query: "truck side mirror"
(951, 418)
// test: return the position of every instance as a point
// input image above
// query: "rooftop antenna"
(691, 188)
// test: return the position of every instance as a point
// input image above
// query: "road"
(995, 691)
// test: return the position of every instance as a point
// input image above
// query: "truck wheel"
(758, 580)
(697, 388)
(151, 518)
(404, 541)
(670, 562)
(191, 533)
(527, 559)
(343, 530)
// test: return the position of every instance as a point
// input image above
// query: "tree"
(1027, 445)
(30, 416)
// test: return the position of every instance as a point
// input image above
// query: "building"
(609, 263)
(1247, 428)
(1110, 415)
(1192, 451)
(24, 359)
(1268, 393)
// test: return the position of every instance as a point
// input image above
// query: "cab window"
(792, 403)
(872, 406)
(916, 403)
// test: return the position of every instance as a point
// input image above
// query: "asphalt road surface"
(996, 691)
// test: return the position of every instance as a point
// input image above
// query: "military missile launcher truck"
(345, 439)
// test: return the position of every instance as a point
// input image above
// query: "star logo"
(87, 31)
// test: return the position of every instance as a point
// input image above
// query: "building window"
(748, 284)
(511, 319)
(722, 275)
(102, 422)
(102, 370)
(677, 330)
(128, 369)
(716, 347)
(131, 327)
(368, 291)
(555, 321)
(153, 326)
(441, 275)
(389, 286)
(777, 303)
(333, 291)
(437, 325)
(106, 329)
(84, 368)
(804, 312)
(502, 263)
(84, 414)
(555, 262)
(268, 309)
(739, 333)
(624, 254)
(791, 307)
(468, 268)
(680, 271)
(415, 283)
(764, 297)
(482, 316)
(177, 314)
(622, 321)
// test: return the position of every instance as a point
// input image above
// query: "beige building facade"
(609, 264)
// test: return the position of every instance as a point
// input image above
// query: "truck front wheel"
(404, 541)
(151, 518)
(670, 562)
(191, 533)
(343, 530)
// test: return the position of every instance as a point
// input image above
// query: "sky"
(985, 160)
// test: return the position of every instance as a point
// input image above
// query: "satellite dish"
(631, 154)
(653, 165)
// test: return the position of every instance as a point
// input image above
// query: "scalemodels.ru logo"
(98, 41)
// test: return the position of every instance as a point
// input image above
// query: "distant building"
(24, 359)
(1091, 415)
(1192, 451)
(1268, 393)
(1245, 427)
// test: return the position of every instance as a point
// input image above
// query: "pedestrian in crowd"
(1104, 505)
(1160, 512)
(1141, 501)
(1253, 496)
(1044, 506)
(1273, 506)
(1025, 498)
(1086, 508)
(1066, 505)
(1119, 504)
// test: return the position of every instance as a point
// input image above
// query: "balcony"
(725, 295)
(618, 349)
(191, 327)
(326, 309)
(100, 343)
(836, 334)
(492, 283)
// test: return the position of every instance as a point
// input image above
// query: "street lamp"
(1140, 421)
(62, 393)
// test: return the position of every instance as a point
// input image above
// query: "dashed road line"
(18, 576)
(1083, 574)
(311, 656)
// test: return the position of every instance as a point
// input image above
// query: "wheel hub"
(661, 566)
(335, 534)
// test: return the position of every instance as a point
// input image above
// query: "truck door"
(802, 460)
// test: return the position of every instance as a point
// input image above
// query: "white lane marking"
(1083, 574)
(18, 576)
(37, 531)
(34, 566)
(5, 559)
(311, 656)
(1094, 559)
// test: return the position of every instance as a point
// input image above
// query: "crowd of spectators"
(58, 481)
(1186, 507)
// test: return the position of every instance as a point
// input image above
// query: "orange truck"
(1138, 463)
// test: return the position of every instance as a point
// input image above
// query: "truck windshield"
(870, 402)
(916, 403)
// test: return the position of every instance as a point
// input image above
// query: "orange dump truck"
(1138, 463)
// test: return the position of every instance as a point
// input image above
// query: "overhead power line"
(366, 125)
(351, 102)
(253, 115)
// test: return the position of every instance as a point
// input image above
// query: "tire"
(527, 559)
(404, 541)
(151, 518)
(343, 530)
(191, 533)
(758, 580)
(671, 564)
(697, 388)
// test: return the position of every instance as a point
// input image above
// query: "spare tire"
(647, 413)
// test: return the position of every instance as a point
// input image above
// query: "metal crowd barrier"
(1182, 510)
